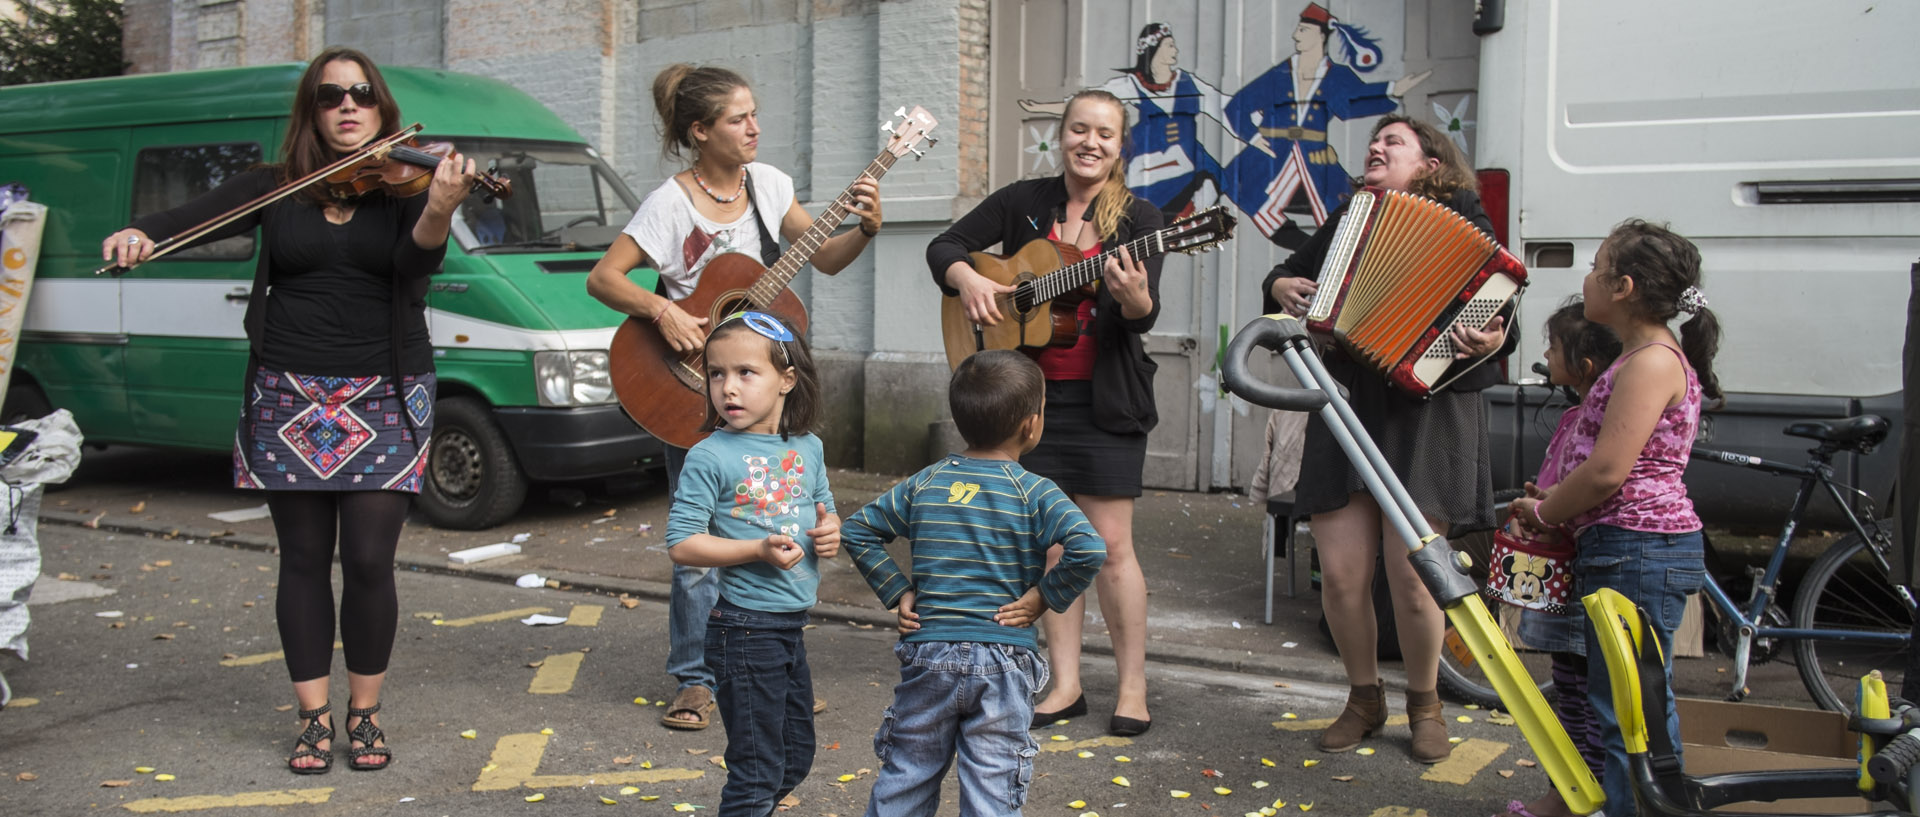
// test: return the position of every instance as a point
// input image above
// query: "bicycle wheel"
(1460, 674)
(1847, 590)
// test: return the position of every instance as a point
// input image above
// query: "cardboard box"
(1727, 737)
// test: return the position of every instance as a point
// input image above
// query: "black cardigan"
(1027, 210)
(1306, 262)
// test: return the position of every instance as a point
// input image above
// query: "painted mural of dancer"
(1170, 167)
(1286, 112)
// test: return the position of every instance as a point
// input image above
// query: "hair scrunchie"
(1692, 300)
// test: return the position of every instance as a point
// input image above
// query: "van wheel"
(25, 401)
(473, 480)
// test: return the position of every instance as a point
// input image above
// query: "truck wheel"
(25, 401)
(473, 480)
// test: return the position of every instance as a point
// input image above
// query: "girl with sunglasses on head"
(339, 394)
(723, 202)
(753, 504)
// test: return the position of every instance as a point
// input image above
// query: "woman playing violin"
(338, 406)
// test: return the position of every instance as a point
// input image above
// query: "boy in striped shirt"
(980, 527)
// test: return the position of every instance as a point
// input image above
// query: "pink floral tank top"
(1653, 499)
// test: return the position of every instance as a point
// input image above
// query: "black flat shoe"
(1073, 710)
(1128, 727)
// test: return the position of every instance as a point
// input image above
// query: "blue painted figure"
(1285, 113)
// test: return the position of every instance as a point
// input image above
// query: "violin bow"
(175, 242)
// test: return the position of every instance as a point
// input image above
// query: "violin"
(403, 170)
(400, 157)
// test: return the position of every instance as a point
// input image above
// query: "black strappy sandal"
(308, 744)
(366, 733)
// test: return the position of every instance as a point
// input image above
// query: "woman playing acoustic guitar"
(1099, 390)
(724, 202)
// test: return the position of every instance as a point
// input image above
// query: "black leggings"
(366, 524)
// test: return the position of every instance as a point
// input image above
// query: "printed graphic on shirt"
(771, 495)
(699, 244)
(962, 492)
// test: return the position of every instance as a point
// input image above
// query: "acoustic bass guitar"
(1048, 287)
(664, 390)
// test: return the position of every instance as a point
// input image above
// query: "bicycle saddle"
(1860, 433)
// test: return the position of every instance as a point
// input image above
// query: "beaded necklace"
(716, 196)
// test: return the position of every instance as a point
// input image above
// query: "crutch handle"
(1271, 332)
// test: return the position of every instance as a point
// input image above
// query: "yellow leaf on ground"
(1266, 762)
(1364, 750)
(470, 734)
(1077, 804)
(536, 797)
(1122, 782)
(1309, 763)
(629, 789)
(1181, 795)
(163, 777)
(1222, 790)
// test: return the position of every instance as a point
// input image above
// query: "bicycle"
(1848, 615)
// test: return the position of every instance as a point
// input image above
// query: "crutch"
(1441, 569)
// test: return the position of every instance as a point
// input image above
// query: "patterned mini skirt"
(318, 433)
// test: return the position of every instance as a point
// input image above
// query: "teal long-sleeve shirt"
(980, 531)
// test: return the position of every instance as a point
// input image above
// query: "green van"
(156, 357)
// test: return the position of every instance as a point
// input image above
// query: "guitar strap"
(769, 248)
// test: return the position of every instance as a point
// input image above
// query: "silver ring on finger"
(133, 239)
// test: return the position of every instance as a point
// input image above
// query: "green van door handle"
(239, 295)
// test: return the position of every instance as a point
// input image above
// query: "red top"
(1071, 362)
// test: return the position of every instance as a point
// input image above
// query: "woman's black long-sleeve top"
(1306, 262)
(346, 299)
(1123, 400)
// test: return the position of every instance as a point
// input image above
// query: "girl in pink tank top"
(1637, 532)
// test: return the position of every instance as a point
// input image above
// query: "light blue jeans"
(694, 591)
(1655, 571)
(966, 698)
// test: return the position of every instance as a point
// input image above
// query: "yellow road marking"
(1089, 743)
(1322, 723)
(516, 762)
(500, 616)
(262, 658)
(556, 674)
(1468, 758)
(284, 797)
(1399, 811)
(585, 615)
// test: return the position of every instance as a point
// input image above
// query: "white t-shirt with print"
(680, 242)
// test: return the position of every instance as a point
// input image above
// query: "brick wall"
(147, 33)
(392, 32)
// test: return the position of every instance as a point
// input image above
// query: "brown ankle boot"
(1430, 743)
(1366, 711)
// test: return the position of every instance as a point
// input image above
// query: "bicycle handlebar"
(1889, 766)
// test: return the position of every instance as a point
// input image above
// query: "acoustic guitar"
(1048, 287)
(664, 390)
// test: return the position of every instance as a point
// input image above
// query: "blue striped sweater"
(980, 531)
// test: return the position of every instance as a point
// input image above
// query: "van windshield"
(564, 198)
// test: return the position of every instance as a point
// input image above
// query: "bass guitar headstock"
(913, 128)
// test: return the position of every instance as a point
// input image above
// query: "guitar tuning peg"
(917, 153)
(900, 112)
(886, 127)
(932, 141)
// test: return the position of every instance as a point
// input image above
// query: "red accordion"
(1402, 271)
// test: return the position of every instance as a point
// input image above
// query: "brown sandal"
(692, 709)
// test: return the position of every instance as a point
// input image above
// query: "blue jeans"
(964, 697)
(693, 593)
(1655, 571)
(765, 693)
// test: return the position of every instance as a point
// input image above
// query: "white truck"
(1783, 139)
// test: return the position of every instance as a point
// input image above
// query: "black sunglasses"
(329, 95)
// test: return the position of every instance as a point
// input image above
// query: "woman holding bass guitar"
(340, 393)
(1100, 402)
(724, 202)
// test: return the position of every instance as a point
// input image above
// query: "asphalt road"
(186, 681)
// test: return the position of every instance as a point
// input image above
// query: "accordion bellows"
(1402, 271)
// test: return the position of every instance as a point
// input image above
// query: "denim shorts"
(963, 699)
